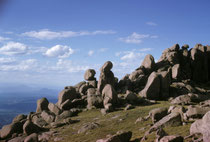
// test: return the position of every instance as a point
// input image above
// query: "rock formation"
(177, 77)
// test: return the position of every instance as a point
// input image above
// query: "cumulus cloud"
(13, 48)
(59, 51)
(131, 55)
(47, 34)
(145, 49)
(3, 38)
(17, 65)
(134, 38)
(151, 23)
(90, 53)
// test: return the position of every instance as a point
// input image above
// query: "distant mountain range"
(16, 99)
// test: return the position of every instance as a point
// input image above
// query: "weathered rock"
(106, 67)
(38, 120)
(165, 81)
(176, 71)
(109, 95)
(172, 119)
(135, 75)
(42, 104)
(83, 89)
(88, 126)
(92, 83)
(148, 62)
(77, 86)
(89, 74)
(94, 100)
(152, 88)
(196, 111)
(64, 115)
(172, 138)
(17, 139)
(183, 99)
(158, 113)
(31, 138)
(119, 137)
(8, 130)
(30, 128)
(49, 117)
(19, 118)
(130, 97)
(54, 108)
(106, 76)
(67, 94)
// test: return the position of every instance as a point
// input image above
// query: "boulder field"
(181, 77)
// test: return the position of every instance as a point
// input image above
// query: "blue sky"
(52, 42)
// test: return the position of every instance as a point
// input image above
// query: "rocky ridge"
(178, 77)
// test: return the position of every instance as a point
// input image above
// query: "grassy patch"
(115, 121)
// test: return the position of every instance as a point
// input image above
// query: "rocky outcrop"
(109, 96)
(202, 126)
(106, 76)
(119, 137)
(66, 95)
(152, 88)
(42, 104)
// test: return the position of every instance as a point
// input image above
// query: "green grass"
(110, 124)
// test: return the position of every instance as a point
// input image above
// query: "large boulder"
(8, 130)
(94, 100)
(67, 94)
(42, 104)
(199, 63)
(165, 81)
(48, 116)
(89, 74)
(131, 97)
(32, 138)
(173, 138)
(148, 62)
(158, 113)
(109, 95)
(19, 118)
(106, 76)
(202, 126)
(152, 88)
(176, 71)
(120, 136)
(29, 128)
(54, 108)
(196, 111)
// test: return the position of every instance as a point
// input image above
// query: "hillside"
(163, 101)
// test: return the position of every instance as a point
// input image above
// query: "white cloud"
(131, 55)
(19, 65)
(145, 49)
(5, 61)
(59, 51)
(3, 38)
(90, 53)
(68, 66)
(13, 48)
(134, 38)
(47, 34)
(151, 24)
